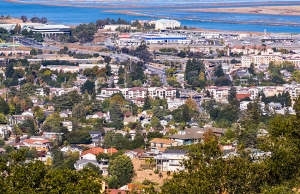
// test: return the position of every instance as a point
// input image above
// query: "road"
(160, 72)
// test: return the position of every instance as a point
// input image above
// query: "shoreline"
(68, 3)
(256, 22)
(260, 10)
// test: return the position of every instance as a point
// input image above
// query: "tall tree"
(116, 116)
(231, 94)
(147, 103)
(4, 108)
(185, 114)
(219, 71)
(9, 70)
(120, 171)
(88, 86)
(78, 111)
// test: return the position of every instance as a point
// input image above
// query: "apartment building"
(220, 94)
(138, 92)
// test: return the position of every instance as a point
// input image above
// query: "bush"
(156, 171)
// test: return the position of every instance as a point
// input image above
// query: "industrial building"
(44, 29)
(165, 39)
(164, 24)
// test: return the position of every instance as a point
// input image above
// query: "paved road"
(160, 72)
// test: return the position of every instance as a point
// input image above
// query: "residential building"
(37, 142)
(159, 144)
(170, 160)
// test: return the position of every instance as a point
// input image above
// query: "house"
(96, 137)
(80, 164)
(99, 115)
(27, 113)
(65, 114)
(130, 153)
(170, 160)
(38, 142)
(92, 153)
(129, 119)
(188, 136)
(52, 135)
(68, 125)
(195, 134)
(72, 148)
(3, 130)
(244, 105)
(159, 144)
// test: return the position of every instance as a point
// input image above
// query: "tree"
(46, 90)
(39, 114)
(2, 142)
(147, 103)
(78, 111)
(219, 71)
(185, 114)
(29, 126)
(3, 119)
(33, 52)
(121, 171)
(107, 59)
(231, 94)
(4, 108)
(191, 104)
(116, 116)
(88, 86)
(9, 71)
(93, 168)
(155, 123)
(24, 18)
(207, 172)
(117, 98)
(57, 156)
(79, 137)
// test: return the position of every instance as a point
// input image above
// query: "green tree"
(147, 103)
(121, 171)
(33, 52)
(9, 71)
(185, 114)
(231, 94)
(79, 137)
(57, 156)
(116, 116)
(88, 86)
(4, 108)
(78, 111)
(29, 126)
(219, 71)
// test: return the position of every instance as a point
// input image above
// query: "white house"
(170, 160)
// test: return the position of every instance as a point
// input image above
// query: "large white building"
(138, 92)
(45, 29)
(163, 24)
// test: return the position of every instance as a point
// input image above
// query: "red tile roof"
(98, 150)
(94, 151)
(111, 150)
(241, 96)
(32, 141)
